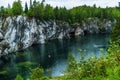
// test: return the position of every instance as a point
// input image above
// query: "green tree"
(30, 4)
(30, 13)
(26, 7)
(34, 3)
(56, 12)
(42, 2)
(63, 14)
(17, 8)
(48, 12)
(9, 10)
(38, 11)
(2, 10)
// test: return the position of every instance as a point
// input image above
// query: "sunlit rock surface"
(20, 32)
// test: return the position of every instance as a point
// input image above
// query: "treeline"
(47, 12)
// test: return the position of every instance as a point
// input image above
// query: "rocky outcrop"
(95, 25)
(17, 33)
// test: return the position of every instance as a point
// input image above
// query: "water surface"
(52, 56)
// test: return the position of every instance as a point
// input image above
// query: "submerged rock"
(20, 32)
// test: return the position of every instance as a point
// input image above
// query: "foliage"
(71, 64)
(96, 69)
(5, 11)
(26, 8)
(38, 11)
(18, 77)
(37, 74)
(17, 8)
(26, 64)
(2, 10)
(116, 31)
(47, 12)
(3, 72)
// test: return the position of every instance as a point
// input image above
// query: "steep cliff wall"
(17, 33)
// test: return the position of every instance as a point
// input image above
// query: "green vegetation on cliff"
(47, 12)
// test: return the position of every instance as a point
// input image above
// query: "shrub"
(37, 73)
(19, 77)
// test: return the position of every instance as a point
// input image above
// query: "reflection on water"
(52, 56)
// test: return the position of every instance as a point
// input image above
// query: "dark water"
(52, 57)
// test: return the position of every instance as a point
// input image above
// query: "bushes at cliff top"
(47, 12)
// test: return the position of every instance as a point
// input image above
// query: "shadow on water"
(52, 57)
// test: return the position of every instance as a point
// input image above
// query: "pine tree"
(30, 4)
(26, 7)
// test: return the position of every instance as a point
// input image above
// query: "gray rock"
(20, 32)
(1, 36)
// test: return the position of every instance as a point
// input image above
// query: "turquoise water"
(52, 56)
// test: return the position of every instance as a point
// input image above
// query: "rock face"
(95, 25)
(17, 33)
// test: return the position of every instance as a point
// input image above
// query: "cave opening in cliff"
(72, 34)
